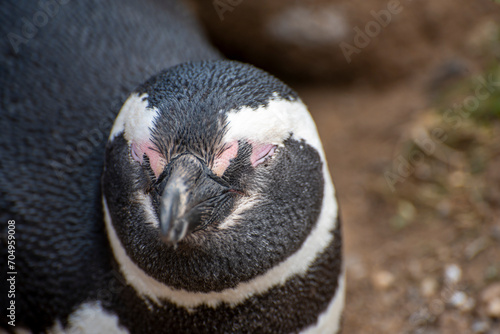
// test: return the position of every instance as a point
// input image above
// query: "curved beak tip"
(171, 232)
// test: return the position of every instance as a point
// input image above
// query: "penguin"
(154, 186)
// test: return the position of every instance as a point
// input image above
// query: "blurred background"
(406, 97)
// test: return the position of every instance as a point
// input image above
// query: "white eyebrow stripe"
(273, 124)
(136, 118)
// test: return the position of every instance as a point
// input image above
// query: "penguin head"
(214, 173)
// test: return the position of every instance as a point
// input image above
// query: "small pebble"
(452, 274)
(493, 308)
(480, 327)
(491, 292)
(428, 287)
(382, 279)
(406, 210)
(461, 301)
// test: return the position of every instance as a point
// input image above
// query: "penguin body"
(209, 209)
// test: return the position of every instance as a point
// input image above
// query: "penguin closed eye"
(218, 201)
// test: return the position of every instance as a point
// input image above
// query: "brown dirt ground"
(359, 139)
(396, 275)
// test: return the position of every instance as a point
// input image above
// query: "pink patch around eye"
(156, 161)
(222, 161)
(261, 152)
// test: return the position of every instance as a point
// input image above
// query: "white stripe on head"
(273, 124)
(135, 119)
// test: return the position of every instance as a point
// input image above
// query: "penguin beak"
(189, 199)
